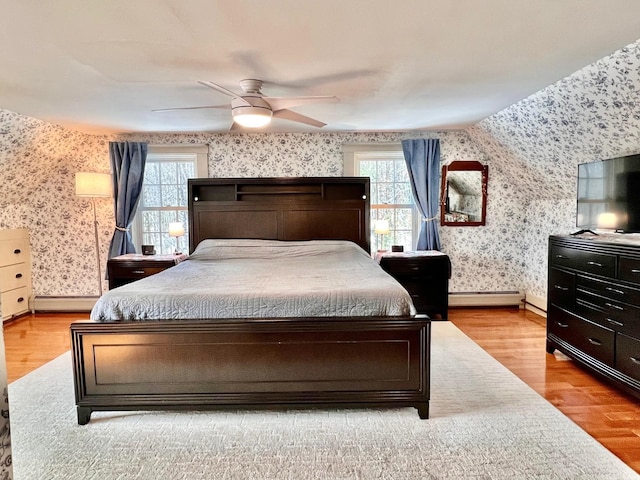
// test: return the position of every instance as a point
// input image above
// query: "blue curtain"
(127, 167)
(423, 163)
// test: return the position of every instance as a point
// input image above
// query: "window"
(164, 196)
(391, 196)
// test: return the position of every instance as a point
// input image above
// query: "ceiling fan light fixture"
(251, 117)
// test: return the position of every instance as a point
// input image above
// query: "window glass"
(391, 197)
(165, 197)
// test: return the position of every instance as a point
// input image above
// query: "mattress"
(261, 279)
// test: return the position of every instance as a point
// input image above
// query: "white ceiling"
(103, 66)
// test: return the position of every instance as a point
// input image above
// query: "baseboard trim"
(486, 299)
(64, 304)
(535, 304)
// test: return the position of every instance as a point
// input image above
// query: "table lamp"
(176, 229)
(381, 228)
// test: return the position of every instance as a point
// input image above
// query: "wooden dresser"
(15, 273)
(593, 310)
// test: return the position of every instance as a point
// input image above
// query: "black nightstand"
(131, 267)
(425, 275)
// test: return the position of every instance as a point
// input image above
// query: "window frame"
(353, 154)
(199, 154)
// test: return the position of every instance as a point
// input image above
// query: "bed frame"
(260, 362)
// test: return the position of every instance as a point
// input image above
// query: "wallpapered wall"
(43, 199)
(532, 149)
(537, 144)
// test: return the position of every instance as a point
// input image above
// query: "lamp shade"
(89, 184)
(176, 229)
(381, 227)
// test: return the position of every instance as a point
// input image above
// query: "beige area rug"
(485, 424)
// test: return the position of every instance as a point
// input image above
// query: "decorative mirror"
(463, 195)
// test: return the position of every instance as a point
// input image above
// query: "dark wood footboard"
(252, 363)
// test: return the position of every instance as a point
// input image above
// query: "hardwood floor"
(516, 338)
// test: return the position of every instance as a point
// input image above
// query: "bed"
(278, 305)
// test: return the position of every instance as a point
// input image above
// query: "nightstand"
(131, 267)
(425, 275)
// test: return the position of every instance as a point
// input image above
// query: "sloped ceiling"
(396, 66)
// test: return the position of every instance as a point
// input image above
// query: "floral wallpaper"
(537, 144)
(532, 149)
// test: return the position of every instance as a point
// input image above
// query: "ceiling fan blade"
(296, 117)
(224, 107)
(221, 89)
(279, 103)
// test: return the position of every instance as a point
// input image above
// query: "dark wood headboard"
(288, 208)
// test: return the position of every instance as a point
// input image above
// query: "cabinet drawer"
(596, 263)
(614, 291)
(134, 272)
(592, 339)
(629, 270)
(12, 251)
(562, 288)
(13, 276)
(14, 302)
(408, 267)
(428, 298)
(607, 312)
(628, 355)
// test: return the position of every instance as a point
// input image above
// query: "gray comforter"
(261, 279)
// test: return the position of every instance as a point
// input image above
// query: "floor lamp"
(92, 186)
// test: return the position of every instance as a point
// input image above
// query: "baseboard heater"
(456, 299)
(486, 299)
(64, 304)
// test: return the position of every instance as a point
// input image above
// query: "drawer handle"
(561, 257)
(595, 264)
(560, 287)
(140, 272)
(615, 307)
(415, 268)
(562, 325)
(17, 251)
(614, 322)
(615, 290)
(594, 341)
(18, 275)
(21, 299)
(635, 270)
(635, 360)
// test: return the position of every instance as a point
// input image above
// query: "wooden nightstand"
(425, 275)
(131, 267)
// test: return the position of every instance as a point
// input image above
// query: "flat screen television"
(609, 195)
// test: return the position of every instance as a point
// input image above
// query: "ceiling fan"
(253, 109)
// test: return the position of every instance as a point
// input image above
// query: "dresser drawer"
(13, 251)
(629, 270)
(628, 355)
(614, 291)
(13, 276)
(594, 340)
(607, 312)
(596, 263)
(14, 302)
(562, 288)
